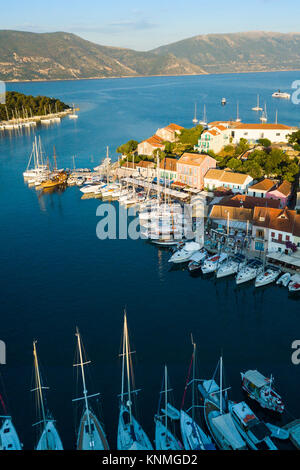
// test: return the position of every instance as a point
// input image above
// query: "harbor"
(76, 279)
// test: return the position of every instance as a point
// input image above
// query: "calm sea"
(55, 273)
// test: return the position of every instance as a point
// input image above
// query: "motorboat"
(284, 280)
(269, 275)
(294, 285)
(197, 259)
(281, 94)
(223, 101)
(218, 420)
(109, 189)
(249, 272)
(91, 189)
(253, 431)
(231, 266)
(184, 254)
(211, 264)
(260, 389)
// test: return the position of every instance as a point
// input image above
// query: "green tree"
(264, 142)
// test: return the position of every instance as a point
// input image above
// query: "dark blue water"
(55, 273)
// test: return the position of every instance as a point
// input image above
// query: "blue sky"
(143, 25)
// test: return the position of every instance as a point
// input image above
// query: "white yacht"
(231, 266)
(109, 189)
(249, 272)
(255, 432)
(294, 285)
(269, 275)
(211, 264)
(196, 260)
(281, 94)
(184, 254)
(284, 280)
(92, 189)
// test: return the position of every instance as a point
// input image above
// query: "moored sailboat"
(164, 438)
(91, 435)
(48, 436)
(131, 436)
(217, 417)
(193, 437)
(9, 439)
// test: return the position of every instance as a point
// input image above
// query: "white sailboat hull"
(131, 436)
(9, 439)
(94, 441)
(164, 439)
(192, 435)
(49, 439)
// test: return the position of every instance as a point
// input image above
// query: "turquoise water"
(56, 274)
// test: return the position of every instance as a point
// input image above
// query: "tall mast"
(39, 383)
(221, 386)
(77, 334)
(166, 396)
(193, 384)
(127, 352)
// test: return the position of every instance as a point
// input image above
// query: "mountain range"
(57, 56)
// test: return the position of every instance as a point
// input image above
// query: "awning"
(283, 258)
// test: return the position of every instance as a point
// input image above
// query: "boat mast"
(221, 386)
(39, 383)
(166, 396)
(79, 343)
(193, 384)
(127, 352)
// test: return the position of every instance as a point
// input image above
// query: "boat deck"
(294, 429)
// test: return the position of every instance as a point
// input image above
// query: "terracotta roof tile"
(192, 158)
(248, 202)
(226, 176)
(283, 220)
(235, 213)
(169, 164)
(264, 185)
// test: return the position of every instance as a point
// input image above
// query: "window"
(278, 134)
(287, 238)
(272, 234)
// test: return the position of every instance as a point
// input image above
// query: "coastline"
(148, 76)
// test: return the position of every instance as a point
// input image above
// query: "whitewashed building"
(236, 182)
(213, 139)
(253, 132)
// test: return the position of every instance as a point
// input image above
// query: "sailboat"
(36, 167)
(131, 436)
(48, 436)
(164, 439)
(264, 117)
(194, 438)
(257, 107)
(91, 435)
(9, 439)
(195, 120)
(204, 118)
(218, 420)
(238, 119)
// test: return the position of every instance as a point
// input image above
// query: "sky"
(143, 25)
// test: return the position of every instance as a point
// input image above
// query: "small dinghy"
(278, 432)
(284, 280)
